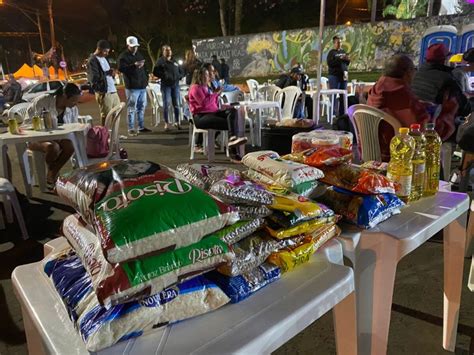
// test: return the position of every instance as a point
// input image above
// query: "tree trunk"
(337, 13)
(373, 12)
(238, 16)
(222, 11)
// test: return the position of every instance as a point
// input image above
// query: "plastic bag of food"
(233, 189)
(250, 212)
(203, 175)
(301, 228)
(299, 205)
(238, 231)
(295, 122)
(366, 211)
(137, 209)
(356, 179)
(240, 287)
(377, 166)
(139, 278)
(100, 327)
(304, 188)
(284, 172)
(321, 138)
(286, 219)
(288, 258)
(320, 157)
(249, 253)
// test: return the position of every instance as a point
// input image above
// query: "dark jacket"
(134, 77)
(336, 65)
(217, 66)
(169, 71)
(95, 75)
(433, 80)
(285, 80)
(224, 73)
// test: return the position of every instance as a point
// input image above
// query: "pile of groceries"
(150, 246)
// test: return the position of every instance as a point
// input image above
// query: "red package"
(332, 156)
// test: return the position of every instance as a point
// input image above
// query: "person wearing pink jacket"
(204, 106)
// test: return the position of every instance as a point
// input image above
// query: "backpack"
(97, 142)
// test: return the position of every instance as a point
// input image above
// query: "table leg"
(259, 128)
(345, 326)
(454, 245)
(241, 128)
(78, 142)
(20, 151)
(376, 266)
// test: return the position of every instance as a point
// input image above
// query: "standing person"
(132, 66)
(170, 73)
(101, 78)
(225, 71)
(191, 63)
(216, 64)
(338, 65)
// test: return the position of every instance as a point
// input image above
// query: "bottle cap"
(403, 130)
(415, 126)
(429, 126)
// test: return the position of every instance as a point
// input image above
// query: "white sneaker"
(237, 141)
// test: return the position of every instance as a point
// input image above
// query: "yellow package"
(296, 204)
(287, 259)
(324, 233)
(302, 228)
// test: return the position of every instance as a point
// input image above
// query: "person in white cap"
(132, 66)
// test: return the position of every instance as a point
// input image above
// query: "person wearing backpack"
(101, 79)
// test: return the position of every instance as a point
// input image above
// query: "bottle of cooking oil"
(400, 167)
(433, 158)
(418, 162)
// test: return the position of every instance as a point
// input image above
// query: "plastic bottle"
(433, 160)
(400, 168)
(418, 162)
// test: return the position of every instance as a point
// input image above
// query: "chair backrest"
(112, 122)
(253, 87)
(18, 111)
(288, 97)
(269, 92)
(155, 98)
(232, 96)
(366, 120)
(324, 83)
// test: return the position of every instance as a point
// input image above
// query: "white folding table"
(376, 252)
(259, 324)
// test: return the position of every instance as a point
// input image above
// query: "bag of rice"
(284, 172)
(300, 228)
(299, 205)
(249, 253)
(240, 287)
(139, 278)
(238, 231)
(250, 212)
(138, 209)
(233, 189)
(366, 211)
(287, 219)
(100, 327)
(203, 175)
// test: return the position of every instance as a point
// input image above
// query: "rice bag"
(233, 189)
(284, 172)
(366, 211)
(356, 179)
(287, 219)
(203, 175)
(238, 231)
(100, 327)
(240, 287)
(137, 209)
(250, 212)
(133, 280)
(304, 188)
(300, 228)
(288, 258)
(299, 205)
(249, 253)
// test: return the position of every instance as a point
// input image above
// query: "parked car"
(78, 78)
(42, 87)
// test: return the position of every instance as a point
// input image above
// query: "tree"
(406, 9)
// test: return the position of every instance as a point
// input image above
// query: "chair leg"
(2, 222)
(193, 141)
(38, 159)
(446, 154)
(19, 215)
(211, 134)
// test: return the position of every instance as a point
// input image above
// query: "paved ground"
(416, 326)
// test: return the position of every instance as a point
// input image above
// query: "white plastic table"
(75, 132)
(258, 106)
(330, 92)
(376, 252)
(259, 324)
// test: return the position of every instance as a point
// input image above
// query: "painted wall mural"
(368, 45)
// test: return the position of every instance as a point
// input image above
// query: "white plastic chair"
(18, 111)
(8, 191)
(269, 92)
(209, 136)
(366, 120)
(236, 96)
(288, 98)
(156, 105)
(326, 103)
(253, 88)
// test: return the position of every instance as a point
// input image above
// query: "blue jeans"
(171, 94)
(136, 103)
(337, 83)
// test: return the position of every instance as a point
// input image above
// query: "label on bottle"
(418, 168)
(402, 184)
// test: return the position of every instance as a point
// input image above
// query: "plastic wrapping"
(100, 327)
(233, 189)
(137, 209)
(300, 228)
(366, 211)
(377, 166)
(287, 219)
(250, 212)
(296, 122)
(136, 279)
(203, 175)
(284, 172)
(320, 157)
(288, 258)
(356, 179)
(238, 231)
(249, 253)
(240, 287)
(299, 205)
(321, 138)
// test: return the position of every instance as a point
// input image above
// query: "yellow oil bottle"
(418, 162)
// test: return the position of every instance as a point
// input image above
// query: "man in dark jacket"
(434, 80)
(225, 71)
(101, 79)
(296, 77)
(132, 66)
(216, 64)
(170, 73)
(338, 66)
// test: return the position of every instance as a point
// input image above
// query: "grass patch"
(359, 76)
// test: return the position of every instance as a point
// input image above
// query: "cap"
(403, 130)
(296, 70)
(468, 56)
(415, 126)
(132, 41)
(437, 53)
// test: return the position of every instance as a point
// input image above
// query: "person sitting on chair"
(215, 83)
(296, 77)
(204, 107)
